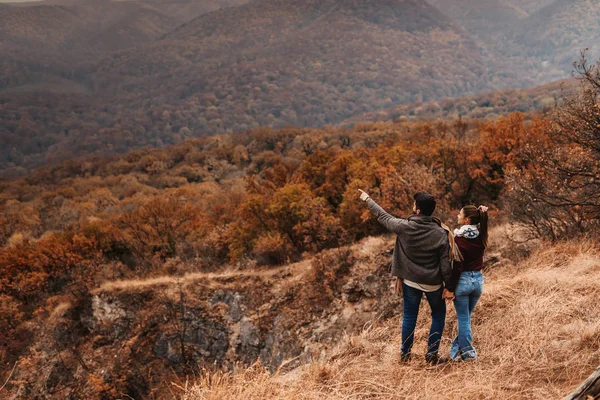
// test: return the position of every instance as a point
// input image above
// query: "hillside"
(62, 37)
(306, 64)
(558, 32)
(529, 42)
(489, 17)
(84, 29)
(544, 44)
(128, 335)
(328, 61)
(58, 40)
(299, 63)
(104, 25)
(40, 126)
(481, 17)
(486, 106)
(536, 335)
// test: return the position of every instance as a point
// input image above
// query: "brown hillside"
(309, 64)
(549, 40)
(480, 17)
(489, 17)
(83, 28)
(59, 36)
(128, 332)
(558, 32)
(58, 39)
(529, 42)
(536, 333)
(268, 63)
(300, 63)
(488, 105)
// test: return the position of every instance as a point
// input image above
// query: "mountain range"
(79, 77)
(304, 63)
(489, 16)
(61, 37)
(556, 33)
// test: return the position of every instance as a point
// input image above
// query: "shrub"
(557, 192)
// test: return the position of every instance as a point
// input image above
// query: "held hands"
(363, 195)
(448, 295)
(397, 286)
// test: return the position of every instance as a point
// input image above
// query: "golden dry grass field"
(536, 329)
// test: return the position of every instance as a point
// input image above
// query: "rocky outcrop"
(126, 337)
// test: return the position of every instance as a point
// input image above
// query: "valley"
(180, 209)
(164, 71)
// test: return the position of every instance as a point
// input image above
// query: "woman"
(467, 279)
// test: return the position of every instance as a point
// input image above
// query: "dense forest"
(46, 128)
(156, 73)
(485, 106)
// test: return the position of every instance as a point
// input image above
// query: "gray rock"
(166, 349)
(233, 300)
(249, 343)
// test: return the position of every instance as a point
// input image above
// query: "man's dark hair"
(425, 202)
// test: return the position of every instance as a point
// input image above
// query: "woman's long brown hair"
(480, 218)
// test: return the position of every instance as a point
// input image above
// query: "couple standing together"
(429, 259)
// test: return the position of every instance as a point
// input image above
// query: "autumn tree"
(160, 226)
(558, 190)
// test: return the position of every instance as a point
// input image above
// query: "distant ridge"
(156, 72)
(488, 105)
(304, 63)
(560, 30)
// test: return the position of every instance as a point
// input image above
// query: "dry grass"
(537, 331)
(189, 278)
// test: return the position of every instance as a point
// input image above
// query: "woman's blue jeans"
(412, 301)
(467, 294)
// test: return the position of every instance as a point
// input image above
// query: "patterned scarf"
(467, 231)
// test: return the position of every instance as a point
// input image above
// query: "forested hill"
(489, 17)
(305, 63)
(480, 16)
(556, 32)
(488, 105)
(59, 37)
(65, 92)
(280, 63)
(52, 37)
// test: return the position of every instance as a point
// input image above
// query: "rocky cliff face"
(134, 337)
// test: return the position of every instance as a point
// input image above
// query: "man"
(421, 261)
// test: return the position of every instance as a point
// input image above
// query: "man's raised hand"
(363, 195)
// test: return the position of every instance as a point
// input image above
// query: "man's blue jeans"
(412, 300)
(467, 294)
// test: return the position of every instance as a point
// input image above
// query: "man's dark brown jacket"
(422, 249)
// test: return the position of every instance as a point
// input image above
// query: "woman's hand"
(448, 295)
(363, 195)
(397, 286)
